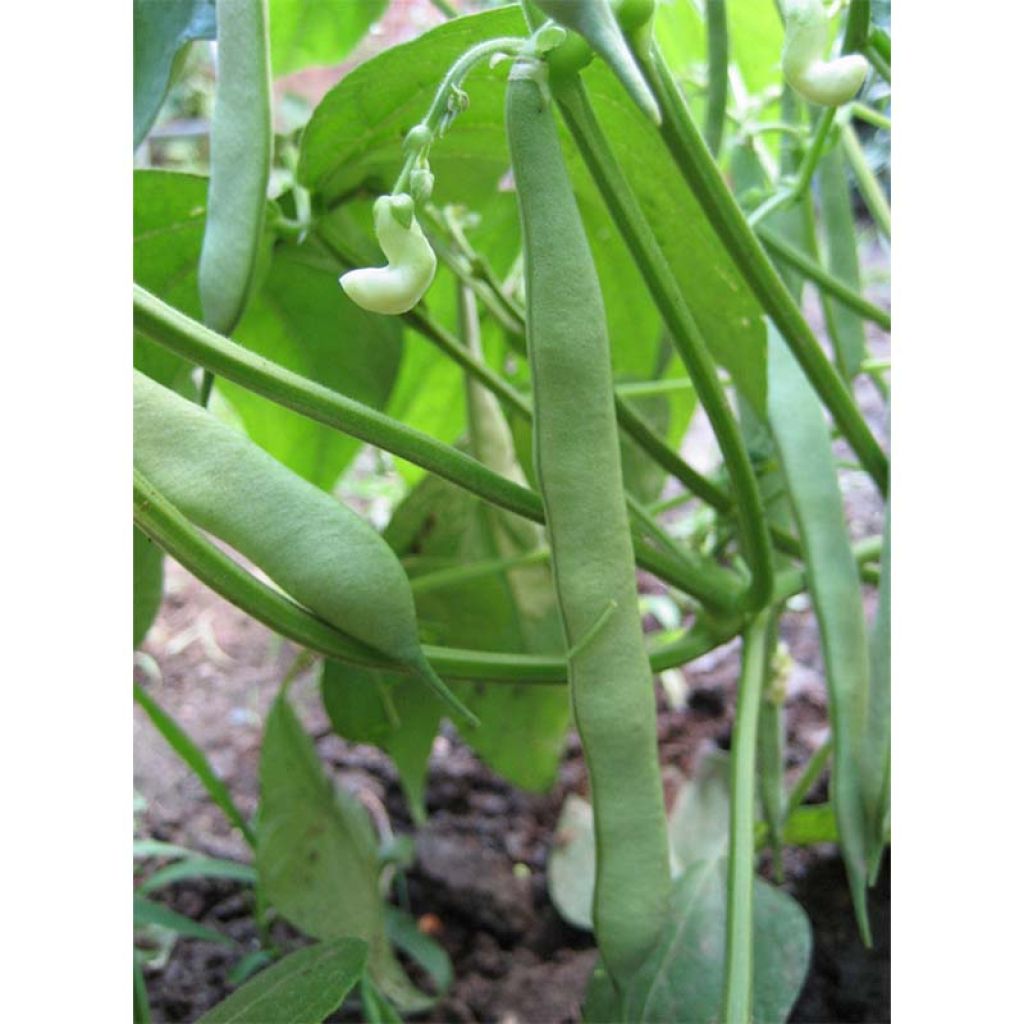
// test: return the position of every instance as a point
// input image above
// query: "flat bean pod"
(312, 546)
(241, 142)
(576, 453)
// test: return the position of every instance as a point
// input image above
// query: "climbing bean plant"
(513, 256)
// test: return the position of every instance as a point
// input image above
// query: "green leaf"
(198, 867)
(147, 585)
(355, 135)
(698, 824)
(317, 854)
(308, 32)
(572, 863)
(811, 824)
(302, 320)
(303, 988)
(161, 28)
(682, 980)
(522, 727)
(393, 712)
(140, 1000)
(145, 913)
(182, 744)
(878, 753)
(430, 955)
(805, 452)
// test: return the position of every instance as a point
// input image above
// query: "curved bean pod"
(828, 82)
(576, 453)
(241, 141)
(313, 547)
(396, 288)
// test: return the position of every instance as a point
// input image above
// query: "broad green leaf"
(185, 747)
(698, 824)
(682, 980)
(161, 28)
(145, 912)
(808, 466)
(303, 988)
(147, 584)
(572, 863)
(393, 712)
(317, 855)
(308, 32)
(354, 138)
(810, 824)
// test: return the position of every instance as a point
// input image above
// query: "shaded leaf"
(308, 32)
(145, 912)
(302, 988)
(161, 28)
(572, 863)
(147, 584)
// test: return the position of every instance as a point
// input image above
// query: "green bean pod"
(241, 143)
(805, 453)
(576, 454)
(313, 547)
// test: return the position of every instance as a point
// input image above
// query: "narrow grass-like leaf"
(805, 452)
(430, 955)
(145, 912)
(877, 754)
(198, 867)
(186, 749)
(303, 988)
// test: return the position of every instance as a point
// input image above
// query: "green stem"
(871, 116)
(737, 1003)
(445, 8)
(858, 21)
(651, 388)
(718, 73)
(729, 222)
(829, 284)
(636, 232)
(179, 333)
(880, 41)
(878, 62)
(867, 183)
(459, 574)
(440, 112)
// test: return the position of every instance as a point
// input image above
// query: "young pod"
(828, 82)
(396, 288)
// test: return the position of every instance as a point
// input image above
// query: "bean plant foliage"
(596, 217)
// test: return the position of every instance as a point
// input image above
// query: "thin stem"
(870, 115)
(867, 183)
(636, 232)
(439, 579)
(879, 41)
(878, 62)
(729, 222)
(810, 161)
(827, 283)
(650, 388)
(179, 333)
(445, 8)
(444, 106)
(718, 73)
(739, 941)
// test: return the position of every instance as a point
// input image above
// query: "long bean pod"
(241, 142)
(576, 453)
(312, 546)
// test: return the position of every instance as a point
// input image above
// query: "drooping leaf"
(391, 711)
(430, 955)
(303, 988)
(147, 584)
(198, 867)
(317, 856)
(304, 33)
(161, 28)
